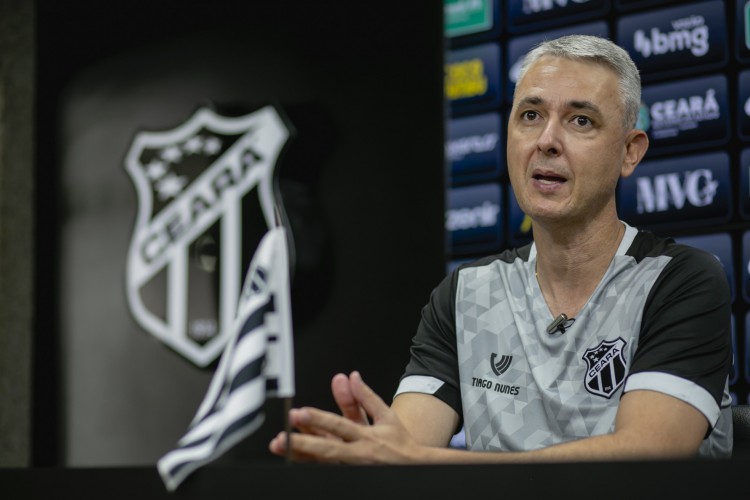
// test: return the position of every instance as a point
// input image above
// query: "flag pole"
(288, 429)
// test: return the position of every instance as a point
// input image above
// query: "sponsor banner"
(519, 47)
(679, 191)
(746, 266)
(474, 148)
(525, 15)
(466, 17)
(640, 4)
(743, 30)
(519, 224)
(677, 40)
(472, 77)
(718, 245)
(686, 113)
(745, 183)
(734, 375)
(474, 219)
(743, 114)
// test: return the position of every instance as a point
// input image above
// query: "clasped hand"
(349, 438)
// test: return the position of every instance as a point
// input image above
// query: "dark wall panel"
(362, 181)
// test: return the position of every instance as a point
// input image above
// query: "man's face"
(566, 142)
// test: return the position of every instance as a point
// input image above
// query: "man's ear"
(636, 146)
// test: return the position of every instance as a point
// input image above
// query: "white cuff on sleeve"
(677, 387)
(419, 383)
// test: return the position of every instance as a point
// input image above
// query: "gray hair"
(601, 51)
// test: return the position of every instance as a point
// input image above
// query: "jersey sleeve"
(684, 347)
(433, 365)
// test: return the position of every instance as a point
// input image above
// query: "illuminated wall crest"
(190, 182)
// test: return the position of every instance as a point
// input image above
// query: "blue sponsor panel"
(472, 78)
(718, 245)
(742, 30)
(745, 183)
(678, 191)
(519, 47)
(734, 375)
(474, 148)
(528, 15)
(676, 40)
(746, 266)
(474, 219)
(519, 224)
(627, 5)
(743, 103)
(687, 114)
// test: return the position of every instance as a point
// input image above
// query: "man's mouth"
(549, 178)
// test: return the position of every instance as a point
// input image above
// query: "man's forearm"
(608, 447)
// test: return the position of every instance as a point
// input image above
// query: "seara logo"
(189, 181)
(683, 113)
(688, 33)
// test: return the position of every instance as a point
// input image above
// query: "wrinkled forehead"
(586, 77)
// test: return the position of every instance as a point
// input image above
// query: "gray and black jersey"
(659, 320)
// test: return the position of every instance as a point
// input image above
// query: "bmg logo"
(677, 40)
(690, 33)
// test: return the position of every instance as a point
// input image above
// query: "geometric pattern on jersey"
(541, 398)
(498, 301)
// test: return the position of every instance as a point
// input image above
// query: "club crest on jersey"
(606, 367)
(186, 246)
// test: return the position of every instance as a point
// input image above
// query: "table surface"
(627, 480)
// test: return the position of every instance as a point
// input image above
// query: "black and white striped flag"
(257, 363)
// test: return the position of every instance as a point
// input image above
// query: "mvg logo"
(689, 189)
(696, 187)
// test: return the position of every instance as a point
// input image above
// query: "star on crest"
(170, 185)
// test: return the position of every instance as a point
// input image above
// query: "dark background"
(361, 82)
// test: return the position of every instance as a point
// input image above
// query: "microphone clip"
(560, 324)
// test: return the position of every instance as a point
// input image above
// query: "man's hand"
(347, 403)
(327, 437)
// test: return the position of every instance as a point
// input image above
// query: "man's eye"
(582, 121)
(530, 115)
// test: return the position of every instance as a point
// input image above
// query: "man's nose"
(550, 139)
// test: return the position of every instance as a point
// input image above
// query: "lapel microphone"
(560, 324)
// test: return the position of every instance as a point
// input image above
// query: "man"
(596, 342)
